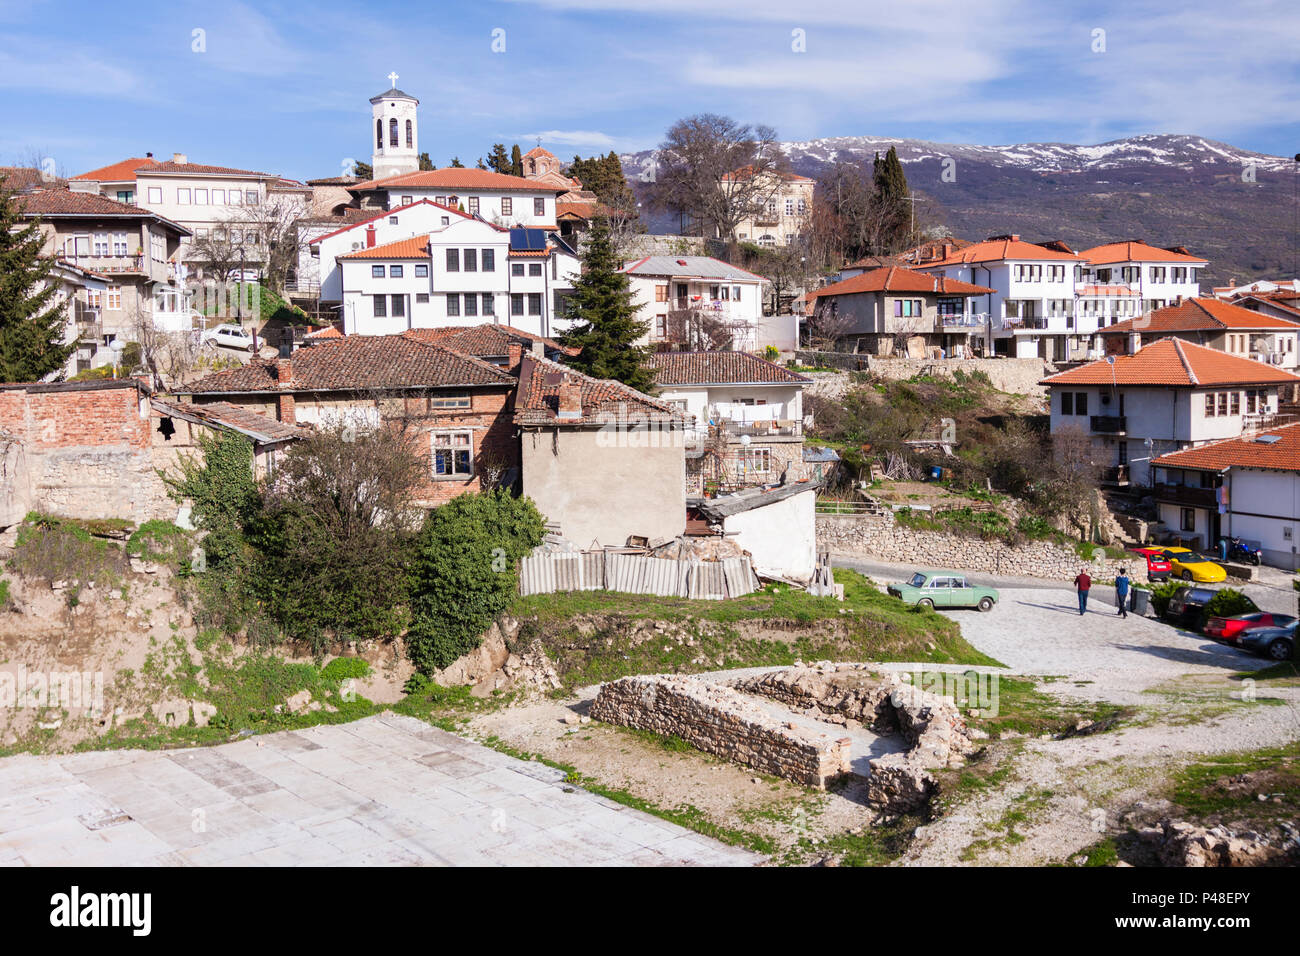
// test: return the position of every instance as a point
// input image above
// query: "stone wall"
(720, 721)
(1017, 375)
(885, 539)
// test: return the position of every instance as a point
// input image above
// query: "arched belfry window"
(392, 132)
(410, 135)
(379, 134)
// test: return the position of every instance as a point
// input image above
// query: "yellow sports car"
(1190, 566)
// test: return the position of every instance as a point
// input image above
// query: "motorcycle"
(1239, 550)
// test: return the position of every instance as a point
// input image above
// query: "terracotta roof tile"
(416, 247)
(486, 339)
(200, 169)
(234, 417)
(1134, 250)
(1195, 315)
(1173, 362)
(65, 202)
(603, 400)
(898, 279)
(999, 248)
(119, 172)
(453, 178)
(720, 368)
(1245, 452)
(357, 363)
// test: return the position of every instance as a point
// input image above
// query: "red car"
(1158, 566)
(1228, 630)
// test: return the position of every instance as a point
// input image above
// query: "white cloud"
(571, 137)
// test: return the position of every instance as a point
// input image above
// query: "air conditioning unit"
(1275, 358)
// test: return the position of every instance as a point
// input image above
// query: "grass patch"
(1024, 709)
(1226, 787)
(1279, 671)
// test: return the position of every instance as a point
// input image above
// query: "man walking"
(1082, 583)
(1121, 591)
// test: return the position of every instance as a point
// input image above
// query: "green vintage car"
(944, 589)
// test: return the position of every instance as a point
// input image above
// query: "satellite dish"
(117, 345)
(745, 439)
(1110, 360)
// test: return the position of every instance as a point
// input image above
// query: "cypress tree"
(516, 161)
(606, 326)
(32, 323)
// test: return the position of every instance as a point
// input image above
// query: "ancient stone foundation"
(719, 720)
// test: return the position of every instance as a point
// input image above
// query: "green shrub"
(160, 542)
(1160, 595)
(54, 549)
(465, 572)
(771, 353)
(4, 593)
(1035, 528)
(220, 484)
(1228, 602)
(345, 668)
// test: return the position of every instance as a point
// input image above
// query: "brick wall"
(85, 450)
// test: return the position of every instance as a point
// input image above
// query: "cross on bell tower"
(392, 78)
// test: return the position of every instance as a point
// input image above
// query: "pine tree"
(480, 164)
(516, 161)
(426, 163)
(606, 326)
(31, 321)
(892, 192)
(499, 160)
(456, 163)
(363, 170)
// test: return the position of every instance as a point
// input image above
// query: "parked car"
(1187, 606)
(1228, 630)
(944, 589)
(1190, 566)
(1275, 643)
(1158, 566)
(231, 336)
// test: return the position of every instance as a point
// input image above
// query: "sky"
(284, 87)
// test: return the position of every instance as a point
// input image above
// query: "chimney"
(370, 236)
(538, 348)
(180, 159)
(570, 400)
(947, 249)
(1134, 342)
(148, 155)
(515, 355)
(284, 404)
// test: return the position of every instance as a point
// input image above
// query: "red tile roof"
(198, 169)
(329, 332)
(745, 172)
(1134, 250)
(1194, 315)
(119, 172)
(604, 401)
(357, 363)
(486, 339)
(1173, 362)
(999, 248)
(898, 279)
(371, 216)
(416, 247)
(720, 368)
(65, 202)
(26, 178)
(452, 178)
(1245, 452)
(233, 417)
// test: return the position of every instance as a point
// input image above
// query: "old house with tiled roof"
(784, 204)
(697, 302)
(603, 462)
(745, 414)
(1168, 396)
(1220, 325)
(1247, 487)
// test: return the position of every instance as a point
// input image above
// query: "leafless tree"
(825, 329)
(695, 164)
(848, 211)
(701, 330)
(168, 356)
(263, 237)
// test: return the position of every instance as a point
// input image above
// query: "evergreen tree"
(606, 326)
(426, 163)
(480, 164)
(603, 175)
(456, 163)
(31, 321)
(363, 170)
(516, 161)
(892, 193)
(499, 160)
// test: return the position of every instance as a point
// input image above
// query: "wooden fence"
(549, 571)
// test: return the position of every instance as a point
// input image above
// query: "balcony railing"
(965, 320)
(1109, 424)
(1185, 495)
(109, 264)
(780, 428)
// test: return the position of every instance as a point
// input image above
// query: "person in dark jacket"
(1081, 584)
(1121, 591)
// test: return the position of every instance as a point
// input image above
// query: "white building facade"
(716, 290)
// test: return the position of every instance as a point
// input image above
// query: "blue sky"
(283, 87)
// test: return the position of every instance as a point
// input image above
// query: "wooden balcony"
(1109, 424)
(1185, 495)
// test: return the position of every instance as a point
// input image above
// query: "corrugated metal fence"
(549, 571)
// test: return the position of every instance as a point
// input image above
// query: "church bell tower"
(394, 132)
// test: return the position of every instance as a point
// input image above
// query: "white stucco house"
(777, 526)
(719, 292)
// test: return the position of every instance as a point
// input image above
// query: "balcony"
(110, 265)
(779, 428)
(1109, 424)
(962, 321)
(1185, 495)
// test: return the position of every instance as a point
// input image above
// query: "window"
(399, 305)
(473, 205)
(410, 135)
(1187, 520)
(534, 303)
(379, 134)
(539, 206)
(440, 200)
(1123, 453)
(446, 220)
(735, 293)
(1223, 403)
(1157, 273)
(218, 197)
(488, 260)
(126, 196)
(516, 268)
(1209, 405)
(250, 197)
(789, 207)
(100, 245)
(1067, 403)
(453, 260)
(182, 197)
(471, 260)
(803, 206)
(93, 298)
(421, 298)
(155, 194)
(119, 243)
(407, 200)
(516, 303)
(452, 454)
(661, 293)
(113, 297)
(471, 304)
(392, 220)
(422, 271)
(1081, 403)
(661, 326)
(507, 206)
(392, 132)
(450, 401)
(376, 272)
(534, 269)
(395, 272)
(381, 306)
(489, 304)
(1234, 403)
(453, 303)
